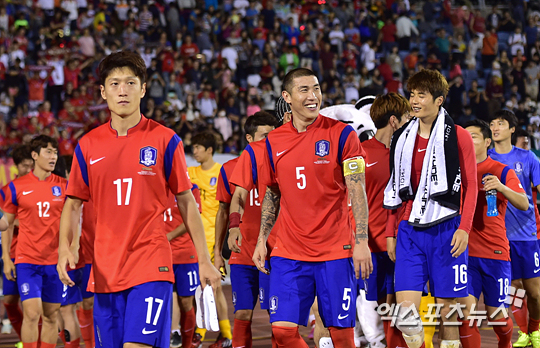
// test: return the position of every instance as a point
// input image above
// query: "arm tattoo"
(357, 193)
(270, 208)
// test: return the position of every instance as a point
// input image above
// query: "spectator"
(230, 54)
(490, 48)
(289, 60)
(336, 37)
(367, 55)
(517, 41)
(404, 30)
(207, 105)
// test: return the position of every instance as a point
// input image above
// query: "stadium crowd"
(212, 63)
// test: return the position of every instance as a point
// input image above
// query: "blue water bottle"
(491, 198)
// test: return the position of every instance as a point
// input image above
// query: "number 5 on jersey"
(118, 183)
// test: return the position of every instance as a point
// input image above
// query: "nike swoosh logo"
(27, 192)
(502, 300)
(193, 289)
(458, 289)
(371, 164)
(280, 153)
(64, 294)
(422, 150)
(95, 161)
(148, 332)
(537, 270)
(340, 317)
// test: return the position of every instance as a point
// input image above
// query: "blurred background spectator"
(213, 63)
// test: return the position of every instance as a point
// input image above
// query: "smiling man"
(431, 162)
(313, 164)
(127, 167)
(521, 226)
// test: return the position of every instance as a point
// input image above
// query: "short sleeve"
(78, 185)
(10, 204)
(267, 173)
(349, 145)
(534, 168)
(197, 194)
(2, 197)
(223, 193)
(175, 166)
(512, 181)
(245, 172)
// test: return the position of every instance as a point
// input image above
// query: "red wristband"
(234, 220)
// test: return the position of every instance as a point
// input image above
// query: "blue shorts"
(186, 277)
(9, 286)
(85, 279)
(381, 281)
(72, 294)
(294, 285)
(423, 254)
(490, 277)
(141, 314)
(525, 260)
(248, 283)
(264, 287)
(38, 281)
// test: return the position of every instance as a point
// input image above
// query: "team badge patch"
(25, 289)
(213, 181)
(273, 304)
(518, 167)
(234, 298)
(322, 148)
(56, 191)
(148, 156)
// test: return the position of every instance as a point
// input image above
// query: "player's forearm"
(357, 193)
(222, 222)
(518, 199)
(194, 225)
(238, 200)
(270, 207)
(177, 232)
(69, 222)
(7, 237)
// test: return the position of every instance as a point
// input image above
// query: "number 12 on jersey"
(118, 183)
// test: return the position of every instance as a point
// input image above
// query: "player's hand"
(219, 263)
(209, 275)
(75, 251)
(259, 256)
(491, 182)
(9, 270)
(234, 236)
(459, 242)
(65, 258)
(391, 248)
(363, 266)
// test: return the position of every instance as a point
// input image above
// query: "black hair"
(291, 75)
(206, 140)
(41, 142)
(21, 153)
(507, 115)
(122, 59)
(260, 118)
(483, 125)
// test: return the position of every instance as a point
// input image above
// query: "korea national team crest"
(273, 304)
(25, 288)
(213, 181)
(518, 167)
(322, 148)
(56, 191)
(148, 156)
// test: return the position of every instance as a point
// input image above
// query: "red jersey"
(88, 233)
(488, 237)
(467, 164)
(313, 223)
(183, 249)
(14, 240)
(38, 204)
(377, 176)
(225, 189)
(128, 179)
(246, 175)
